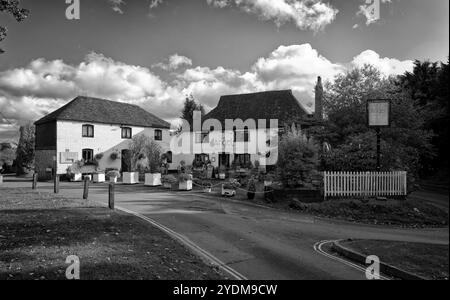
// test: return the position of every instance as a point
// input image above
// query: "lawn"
(38, 231)
(428, 261)
(412, 212)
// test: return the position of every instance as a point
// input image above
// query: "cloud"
(305, 14)
(30, 92)
(174, 62)
(387, 66)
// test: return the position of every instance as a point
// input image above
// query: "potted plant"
(207, 187)
(222, 172)
(114, 156)
(99, 176)
(138, 148)
(168, 181)
(251, 189)
(74, 171)
(268, 180)
(154, 162)
(185, 182)
(113, 175)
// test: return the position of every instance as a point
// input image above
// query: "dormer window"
(88, 131)
(127, 133)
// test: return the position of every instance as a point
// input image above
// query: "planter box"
(113, 179)
(77, 177)
(89, 177)
(1, 179)
(99, 178)
(185, 185)
(130, 177)
(167, 185)
(153, 179)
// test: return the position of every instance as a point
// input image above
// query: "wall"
(46, 136)
(44, 160)
(107, 139)
(256, 154)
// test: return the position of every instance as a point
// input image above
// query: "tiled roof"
(93, 110)
(280, 105)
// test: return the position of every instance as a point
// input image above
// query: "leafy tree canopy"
(12, 8)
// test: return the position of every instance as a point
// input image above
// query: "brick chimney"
(319, 100)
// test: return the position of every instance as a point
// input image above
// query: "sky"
(155, 52)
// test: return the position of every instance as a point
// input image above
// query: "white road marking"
(188, 243)
(318, 248)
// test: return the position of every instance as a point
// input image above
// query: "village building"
(245, 142)
(89, 128)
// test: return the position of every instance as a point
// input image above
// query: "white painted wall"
(107, 139)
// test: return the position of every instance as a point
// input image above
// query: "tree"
(297, 160)
(25, 150)
(190, 106)
(7, 156)
(11, 7)
(427, 85)
(142, 147)
(406, 144)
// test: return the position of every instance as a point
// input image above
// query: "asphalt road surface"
(257, 242)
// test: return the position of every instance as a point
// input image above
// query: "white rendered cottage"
(88, 126)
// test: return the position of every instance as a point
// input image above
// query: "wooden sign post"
(378, 117)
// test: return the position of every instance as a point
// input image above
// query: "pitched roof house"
(280, 105)
(89, 126)
(87, 109)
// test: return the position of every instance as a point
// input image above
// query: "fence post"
(86, 189)
(56, 184)
(111, 196)
(35, 179)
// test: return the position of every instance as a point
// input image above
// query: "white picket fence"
(370, 184)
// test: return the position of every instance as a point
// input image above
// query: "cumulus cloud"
(305, 14)
(28, 93)
(387, 66)
(174, 62)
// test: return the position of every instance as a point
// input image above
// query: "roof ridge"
(255, 93)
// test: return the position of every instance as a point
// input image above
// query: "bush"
(113, 173)
(99, 156)
(169, 179)
(297, 161)
(114, 156)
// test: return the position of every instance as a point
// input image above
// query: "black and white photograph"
(224, 147)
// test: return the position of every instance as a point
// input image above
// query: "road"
(258, 242)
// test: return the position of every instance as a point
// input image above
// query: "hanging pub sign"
(379, 113)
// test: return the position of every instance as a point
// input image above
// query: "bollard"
(56, 184)
(35, 180)
(111, 196)
(86, 189)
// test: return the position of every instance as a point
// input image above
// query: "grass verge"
(38, 231)
(425, 260)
